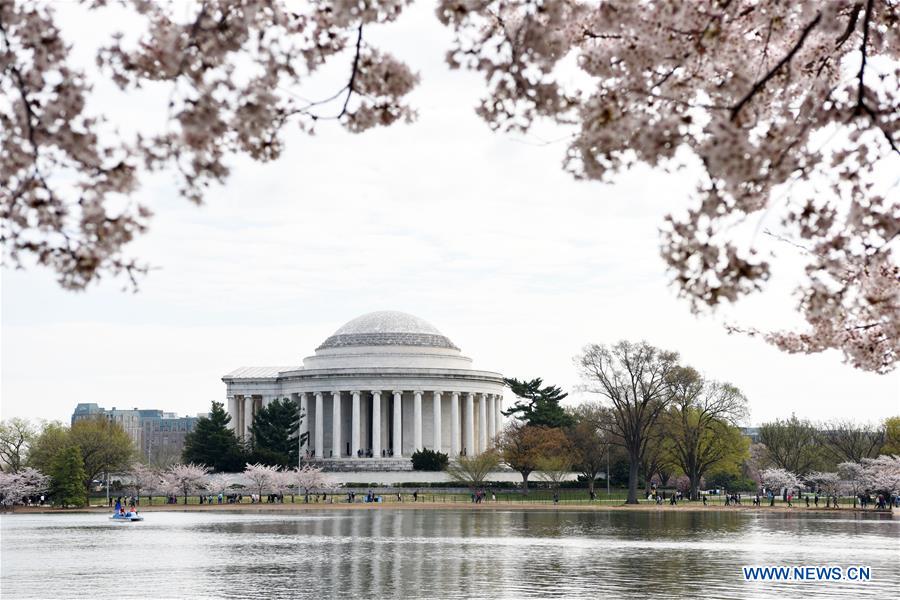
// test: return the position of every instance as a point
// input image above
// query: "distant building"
(158, 435)
(752, 433)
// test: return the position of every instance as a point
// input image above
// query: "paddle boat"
(126, 516)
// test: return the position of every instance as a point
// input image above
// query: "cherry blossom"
(15, 487)
(787, 110)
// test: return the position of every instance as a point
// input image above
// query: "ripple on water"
(437, 554)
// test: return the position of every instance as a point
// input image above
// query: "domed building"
(382, 386)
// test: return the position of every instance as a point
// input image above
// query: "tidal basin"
(444, 553)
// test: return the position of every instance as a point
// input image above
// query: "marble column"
(398, 423)
(248, 415)
(454, 424)
(376, 424)
(232, 411)
(336, 424)
(482, 423)
(417, 421)
(498, 416)
(437, 422)
(304, 423)
(491, 421)
(469, 442)
(354, 427)
(320, 426)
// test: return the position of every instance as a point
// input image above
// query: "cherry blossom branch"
(759, 85)
(861, 88)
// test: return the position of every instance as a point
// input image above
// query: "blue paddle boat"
(126, 517)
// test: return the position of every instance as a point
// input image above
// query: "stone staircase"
(363, 464)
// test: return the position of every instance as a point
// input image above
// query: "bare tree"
(792, 444)
(590, 439)
(635, 378)
(698, 422)
(473, 470)
(848, 441)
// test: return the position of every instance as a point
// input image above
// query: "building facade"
(382, 386)
(157, 435)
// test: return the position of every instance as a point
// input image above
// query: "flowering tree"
(854, 475)
(788, 110)
(144, 479)
(310, 479)
(285, 483)
(883, 473)
(829, 483)
(778, 479)
(261, 476)
(15, 487)
(187, 479)
(219, 482)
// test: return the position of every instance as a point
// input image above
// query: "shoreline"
(344, 506)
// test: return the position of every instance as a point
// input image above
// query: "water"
(413, 553)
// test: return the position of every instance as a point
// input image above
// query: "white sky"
(481, 234)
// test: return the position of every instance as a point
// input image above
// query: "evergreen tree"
(274, 432)
(213, 444)
(538, 406)
(67, 478)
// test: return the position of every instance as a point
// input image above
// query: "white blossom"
(15, 487)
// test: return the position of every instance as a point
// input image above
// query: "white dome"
(387, 328)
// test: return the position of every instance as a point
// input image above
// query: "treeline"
(660, 422)
(65, 462)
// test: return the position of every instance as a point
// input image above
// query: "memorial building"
(382, 386)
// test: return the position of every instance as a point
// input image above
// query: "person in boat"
(118, 505)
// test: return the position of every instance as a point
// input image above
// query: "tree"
(701, 425)
(473, 470)
(15, 436)
(792, 444)
(891, 436)
(718, 86)
(68, 477)
(429, 460)
(854, 474)
(555, 467)
(847, 440)
(830, 483)
(536, 405)
(143, 479)
(590, 440)
(309, 479)
(16, 486)
(212, 443)
(635, 379)
(883, 474)
(220, 482)
(49, 443)
(521, 446)
(274, 434)
(187, 479)
(712, 86)
(777, 479)
(261, 476)
(104, 447)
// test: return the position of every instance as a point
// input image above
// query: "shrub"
(429, 460)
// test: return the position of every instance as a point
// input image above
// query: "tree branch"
(759, 85)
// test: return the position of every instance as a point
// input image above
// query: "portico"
(383, 386)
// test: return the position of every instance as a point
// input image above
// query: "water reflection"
(437, 554)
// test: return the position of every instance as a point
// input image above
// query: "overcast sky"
(482, 234)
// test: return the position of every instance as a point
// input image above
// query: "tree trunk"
(185, 497)
(591, 485)
(632, 481)
(525, 475)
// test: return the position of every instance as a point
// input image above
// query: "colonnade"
(381, 422)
